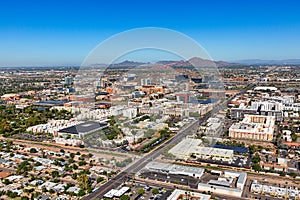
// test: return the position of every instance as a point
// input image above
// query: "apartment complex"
(268, 108)
(254, 127)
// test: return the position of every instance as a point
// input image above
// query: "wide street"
(138, 164)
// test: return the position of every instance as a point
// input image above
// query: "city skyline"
(48, 33)
(149, 99)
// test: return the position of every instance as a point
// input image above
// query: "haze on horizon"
(45, 33)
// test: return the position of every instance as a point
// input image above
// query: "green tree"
(55, 174)
(256, 167)
(74, 176)
(81, 193)
(100, 179)
(24, 167)
(155, 191)
(292, 174)
(124, 197)
(74, 166)
(33, 150)
(6, 182)
(81, 163)
(256, 159)
(37, 164)
(83, 181)
(72, 155)
(294, 136)
(252, 149)
(282, 173)
(11, 194)
(141, 191)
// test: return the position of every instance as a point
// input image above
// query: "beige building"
(254, 127)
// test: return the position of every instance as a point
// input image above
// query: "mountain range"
(269, 62)
(196, 61)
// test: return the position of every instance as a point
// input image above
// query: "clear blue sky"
(62, 32)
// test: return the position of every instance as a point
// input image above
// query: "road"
(142, 162)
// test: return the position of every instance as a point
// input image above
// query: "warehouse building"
(230, 183)
(189, 148)
(175, 169)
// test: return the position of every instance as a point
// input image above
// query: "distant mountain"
(126, 64)
(196, 61)
(269, 62)
(166, 62)
(205, 62)
(99, 65)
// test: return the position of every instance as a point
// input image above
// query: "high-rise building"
(68, 80)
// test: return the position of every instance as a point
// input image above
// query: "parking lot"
(162, 195)
(238, 161)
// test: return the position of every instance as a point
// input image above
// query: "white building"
(281, 192)
(266, 108)
(73, 189)
(241, 178)
(175, 169)
(59, 188)
(121, 191)
(116, 193)
(117, 110)
(48, 185)
(189, 148)
(214, 126)
(280, 99)
(287, 135)
(145, 81)
(176, 194)
(262, 88)
(130, 112)
(226, 185)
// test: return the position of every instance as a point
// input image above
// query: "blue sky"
(63, 32)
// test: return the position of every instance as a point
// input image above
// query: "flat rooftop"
(173, 168)
(255, 124)
(85, 127)
(188, 146)
(176, 194)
